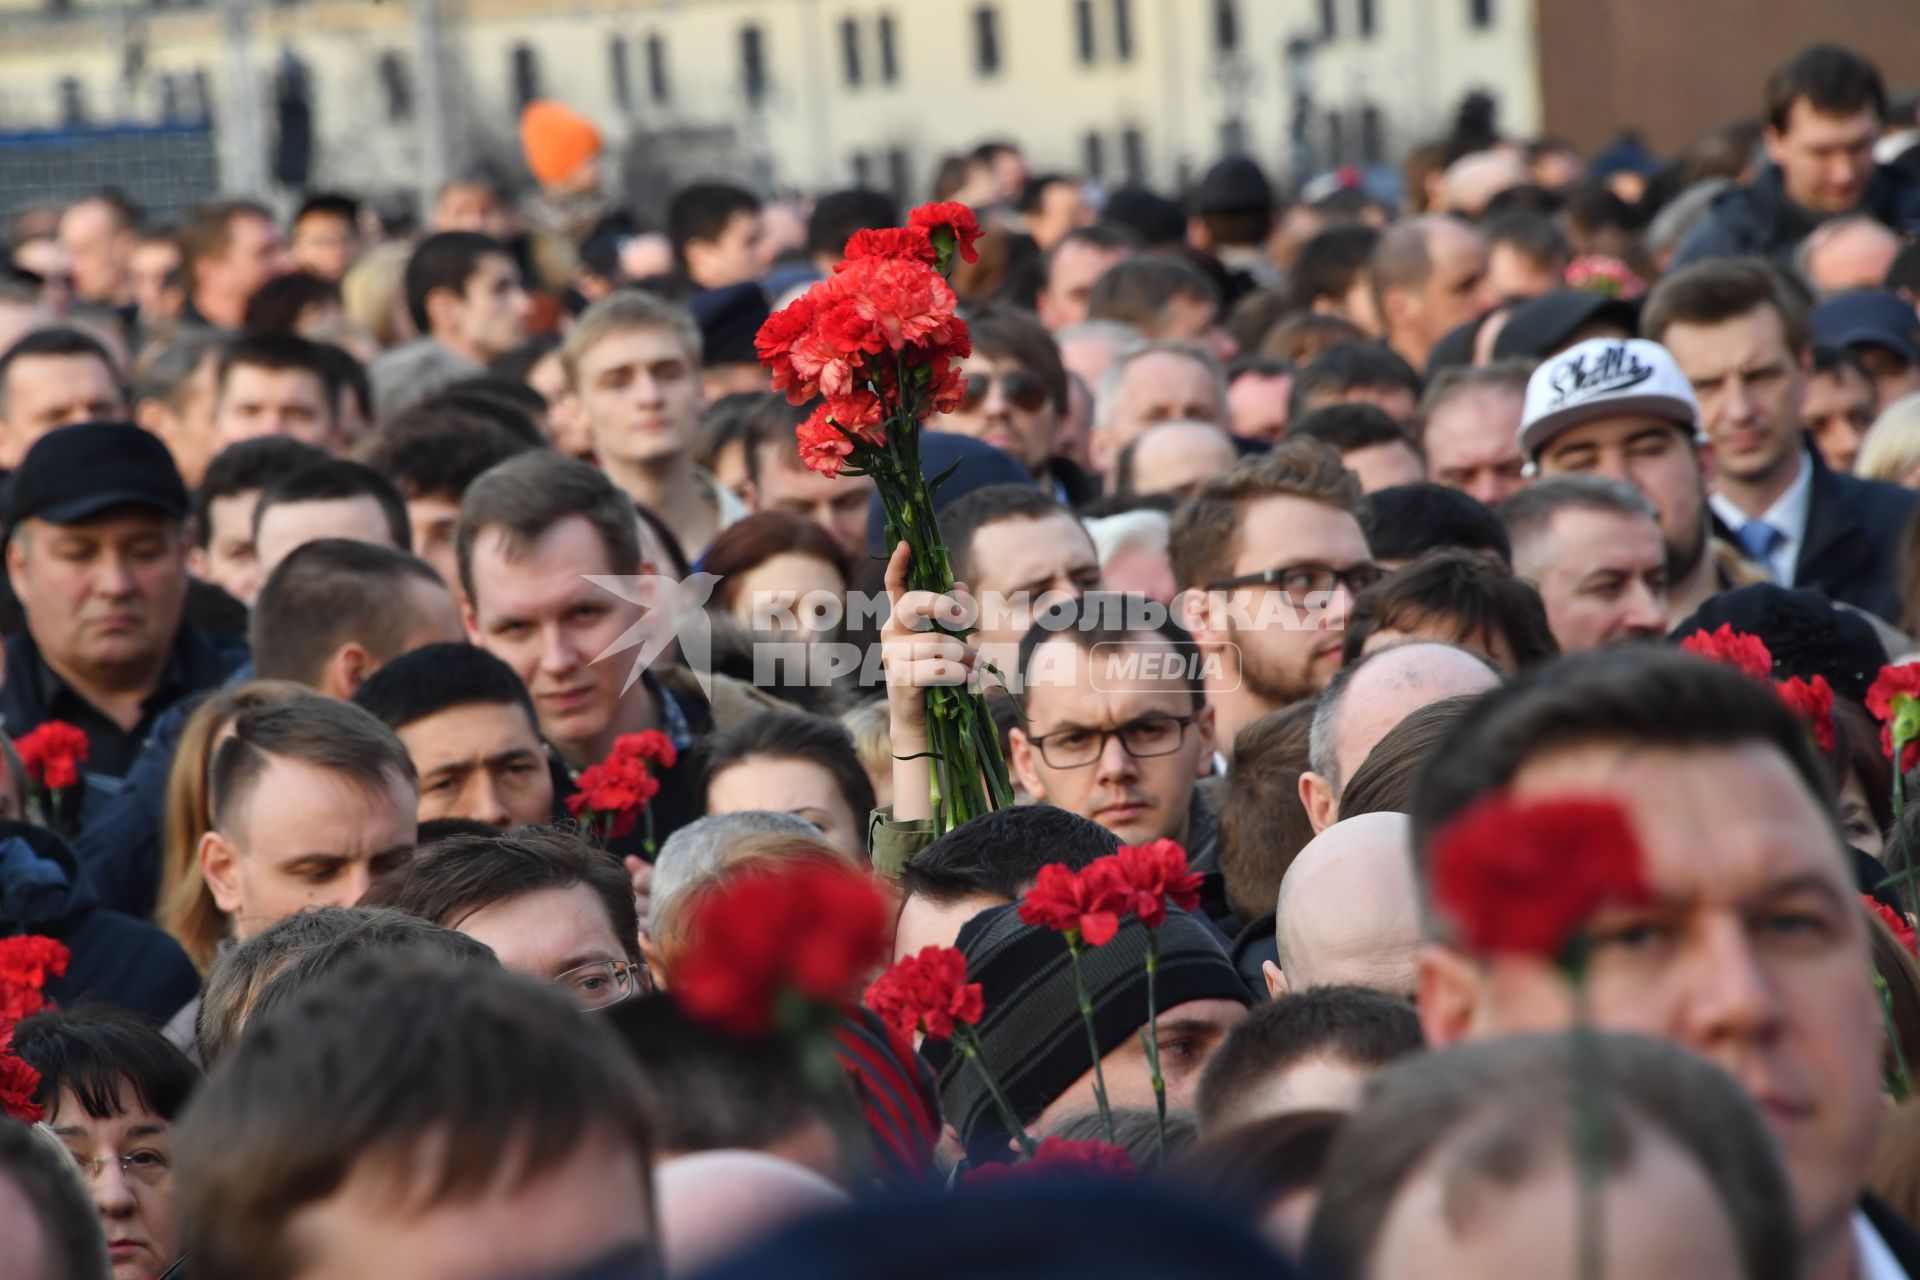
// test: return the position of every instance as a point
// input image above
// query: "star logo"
(673, 611)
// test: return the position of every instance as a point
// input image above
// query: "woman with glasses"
(111, 1085)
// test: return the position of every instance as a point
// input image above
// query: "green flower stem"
(969, 1042)
(1901, 1085)
(1093, 1040)
(1153, 1050)
(1589, 1140)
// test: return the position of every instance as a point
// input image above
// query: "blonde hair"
(673, 917)
(873, 743)
(1892, 447)
(187, 909)
(621, 313)
(371, 293)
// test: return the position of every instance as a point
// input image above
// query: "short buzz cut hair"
(1135, 291)
(1528, 512)
(999, 853)
(989, 505)
(338, 480)
(1105, 619)
(624, 312)
(323, 732)
(1331, 263)
(1833, 80)
(248, 466)
(450, 880)
(1352, 1024)
(1721, 289)
(1205, 539)
(350, 1077)
(446, 260)
(438, 677)
(437, 448)
(326, 593)
(1352, 425)
(1346, 367)
(525, 496)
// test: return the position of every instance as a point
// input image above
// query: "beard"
(1274, 681)
(1686, 553)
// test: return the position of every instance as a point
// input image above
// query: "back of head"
(207, 230)
(1407, 520)
(1400, 257)
(109, 1060)
(166, 366)
(1136, 291)
(444, 261)
(335, 480)
(368, 1050)
(525, 496)
(838, 214)
(1263, 824)
(1354, 1025)
(1384, 781)
(376, 931)
(1205, 539)
(998, 854)
(436, 449)
(1331, 263)
(438, 677)
(1351, 426)
(323, 733)
(1490, 1117)
(1345, 368)
(692, 852)
(54, 1231)
(330, 592)
(1458, 596)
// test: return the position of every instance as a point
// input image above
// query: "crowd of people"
(354, 551)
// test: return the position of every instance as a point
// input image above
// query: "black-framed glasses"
(1024, 389)
(1142, 739)
(603, 983)
(1307, 579)
(148, 1168)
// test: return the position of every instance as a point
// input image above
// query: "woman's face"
(127, 1161)
(789, 593)
(1856, 817)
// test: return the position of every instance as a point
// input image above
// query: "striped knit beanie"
(1031, 1035)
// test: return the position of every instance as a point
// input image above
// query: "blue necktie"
(1759, 540)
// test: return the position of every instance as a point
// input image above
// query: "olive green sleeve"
(893, 843)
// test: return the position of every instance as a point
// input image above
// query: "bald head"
(1474, 180)
(1176, 458)
(716, 1203)
(1348, 913)
(1848, 253)
(1429, 276)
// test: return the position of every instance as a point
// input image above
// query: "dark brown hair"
(1833, 80)
(331, 591)
(527, 495)
(1000, 333)
(1722, 289)
(1467, 594)
(1263, 825)
(1205, 537)
(747, 544)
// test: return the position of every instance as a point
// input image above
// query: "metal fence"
(164, 168)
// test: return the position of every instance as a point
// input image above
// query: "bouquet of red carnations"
(877, 342)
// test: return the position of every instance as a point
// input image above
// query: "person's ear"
(750, 495)
(468, 618)
(1277, 988)
(17, 559)
(1316, 796)
(1190, 609)
(1209, 741)
(1452, 990)
(651, 955)
(1023, 758)
(1775, 143)
(444, 309)
(345, 670)
(220, 868)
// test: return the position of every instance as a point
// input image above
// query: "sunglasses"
(1024, 389)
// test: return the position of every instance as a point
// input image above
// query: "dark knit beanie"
(1807, 634)
(1031, 1035)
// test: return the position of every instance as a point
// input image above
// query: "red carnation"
(1519, 877)
(774, 343)
(1083, 903)
(956, 219)
(650, 744)
(28, 960)
(18, 1081)
(898, 304)
(911, 243)
(926, 992)
(830, 358)
(823, 447)
(1745, 653)
(861, 413)
(1894, 700)
(1150, 876)
(812, 930)
(1059, 1157)
(1894, 921)
(52, 754)
(1812, 703)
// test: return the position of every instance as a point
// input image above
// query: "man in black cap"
(1543, 327)
(1232, 217)
(1882, 333)
(97, 554)
(729, 317)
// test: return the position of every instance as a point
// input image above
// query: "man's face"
(1753, 953)
(44, 392)
(640, 392)
(837, 504)
(151, 267)
(1658, 458)
(307, 837)
(537, 612)
(1189, 1033)
(1006, 405)
(1015, 563)
(1076, 267)
(1512, 276)
(97, 247)
(1837, 412)
(1383, 466)
(1750, 384)
(257, 401)
(483, 761)
(102, 599)
(230, 561)
(285, 527)
(434, 521)
(1825, 161)
(1071, 697)
(1471, 444)
(548, 932)
(255, 254)
(788, 784)
(590, 1204)
(326, 245)
(731, 258)
(135, 1207)
(1158, 387)
(1457, 289)
(1602, 577)
(493, 312)
(1257, 406)
(1894, 376)
(1063, 207)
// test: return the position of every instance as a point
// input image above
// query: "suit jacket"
(1855, 529)
(1900, 1238)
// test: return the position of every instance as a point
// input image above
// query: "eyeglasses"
(1023, 388)
(148, 1168)
(1307, 579)
(1142, 739)
(603, 983)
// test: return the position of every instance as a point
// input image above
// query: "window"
(73, 104)
(1226, 26)
(1123, 30)
(1366, 18)
(1083, 28)
(396, 86)
(1373, 148)
(169, 99)
(1096, 149)
(1336, 139)
(1329, 19)
(622, 73)
(862, 169)
(526, 76)
(1480, 13)
(889, 60)
(658, 87)
(202, 99)
(1233, 136)
(753, 65)
(850, 48)
(899, 172)
(986, 41)
(1133, 154)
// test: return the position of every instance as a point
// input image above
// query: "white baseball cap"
(1605, 378)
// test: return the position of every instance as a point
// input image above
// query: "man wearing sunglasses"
(1013, 399)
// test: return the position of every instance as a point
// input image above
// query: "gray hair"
(165, 368)
(1141, 530)
(1528, 512)
(697, 848)
(1322, 756)
(1107, 398)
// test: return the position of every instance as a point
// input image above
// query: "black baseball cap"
(1548, 324)
(73, 474)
